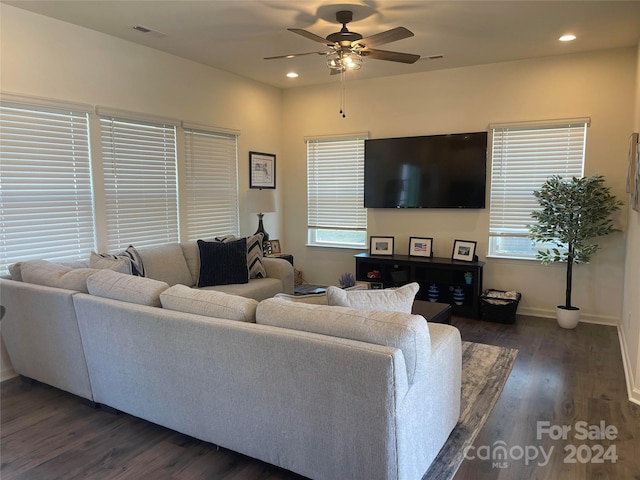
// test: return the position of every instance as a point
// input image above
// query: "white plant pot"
(568, 318)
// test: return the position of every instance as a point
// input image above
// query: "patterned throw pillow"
(254, 257)
(131, 256)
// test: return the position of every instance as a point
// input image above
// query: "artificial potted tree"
(572, 214)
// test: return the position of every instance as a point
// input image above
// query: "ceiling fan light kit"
(347, 49)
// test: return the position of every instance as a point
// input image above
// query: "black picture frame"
(262, 170)
(420, 247)
(381, 245)
(464, 250)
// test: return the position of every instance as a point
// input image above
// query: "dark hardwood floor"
(561, 377)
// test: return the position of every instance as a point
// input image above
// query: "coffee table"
(433, 311)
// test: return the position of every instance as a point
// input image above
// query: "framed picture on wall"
(631, 166)
(262, 170)
(464, 250)
(633, 175)
(420, 247)
(381, 245)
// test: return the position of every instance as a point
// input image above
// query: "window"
(212, 183)
(140, 182)
(523, 157)
(46, 201)
(335, 191)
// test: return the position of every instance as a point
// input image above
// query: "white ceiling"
(236, 35)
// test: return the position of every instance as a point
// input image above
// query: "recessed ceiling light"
(567, 38)
(292, 75)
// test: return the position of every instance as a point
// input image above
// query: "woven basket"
(500, 310)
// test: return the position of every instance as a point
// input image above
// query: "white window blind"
(45, 184)
(523, 157)
(335, 191)
(139, 161)
(212, 184)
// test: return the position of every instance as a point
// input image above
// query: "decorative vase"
(433, 293)
(567, 317)
(458, 296)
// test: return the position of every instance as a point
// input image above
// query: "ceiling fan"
(347, 49)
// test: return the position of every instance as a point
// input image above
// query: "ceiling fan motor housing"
(344, 37)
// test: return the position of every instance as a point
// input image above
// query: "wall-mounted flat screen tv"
(436, 171)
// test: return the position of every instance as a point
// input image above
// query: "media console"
(444, 275)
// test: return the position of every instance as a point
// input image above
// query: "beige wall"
(48, 58)
(599, 85)
(44, 57)
(630, 328)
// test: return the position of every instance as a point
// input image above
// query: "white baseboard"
(633, 390)
(7, 373)
(586, 318)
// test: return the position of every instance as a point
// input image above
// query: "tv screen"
(436, 171)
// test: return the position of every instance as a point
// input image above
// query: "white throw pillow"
(209, 303)
(393, 299)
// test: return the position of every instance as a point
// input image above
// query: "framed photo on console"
(275, 247)
(381, 245)
(420, 247)
(464, 250)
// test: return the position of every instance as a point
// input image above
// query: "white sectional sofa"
(327, 392)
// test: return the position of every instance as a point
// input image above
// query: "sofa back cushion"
(127, 288)
(407, 332)
(166, 263)
(209, 303)
(43, 272)
(393, 299)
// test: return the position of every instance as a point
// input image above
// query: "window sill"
(330, 245)
(502, 257)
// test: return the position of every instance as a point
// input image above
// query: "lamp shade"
(260, 201)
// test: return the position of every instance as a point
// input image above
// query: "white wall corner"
(633, 391)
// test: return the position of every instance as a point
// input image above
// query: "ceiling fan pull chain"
(343, 76)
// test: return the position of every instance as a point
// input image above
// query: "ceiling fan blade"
(292, 55)
(391, 56)
(335, 71)
(310, 36)
(389, 36)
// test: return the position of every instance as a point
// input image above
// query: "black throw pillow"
(223, 263)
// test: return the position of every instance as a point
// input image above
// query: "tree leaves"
(573, 213)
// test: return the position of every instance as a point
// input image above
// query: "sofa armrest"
(280, 269)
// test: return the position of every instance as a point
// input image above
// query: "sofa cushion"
(404, 331)
(43, 272)
(257, 288)
(121, 265)
(127, 288)
(393, 299)
(209, 302)
(167, 264)
(130, 256)
(223, 263)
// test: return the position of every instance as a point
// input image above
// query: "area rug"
(485, 370)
